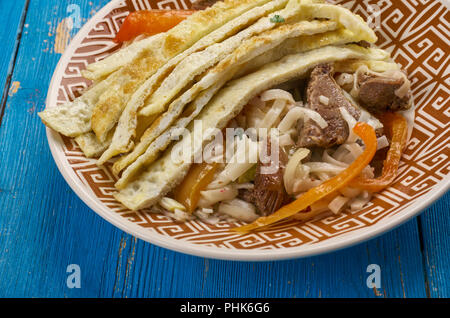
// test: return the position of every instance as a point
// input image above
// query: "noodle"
(290, 174)
(277, 94)
(338, 204)
(318, 167)
(329, 159)
(239, 209)
(210, 197)
(273, 114)
(296, 113)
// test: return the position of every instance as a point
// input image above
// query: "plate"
(417, 35)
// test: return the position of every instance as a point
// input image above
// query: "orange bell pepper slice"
(150, 22)
(367, 134)
(198, 178)
(398, 128)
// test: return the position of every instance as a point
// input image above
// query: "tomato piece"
(150, 22)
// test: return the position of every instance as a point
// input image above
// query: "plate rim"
(340, 242)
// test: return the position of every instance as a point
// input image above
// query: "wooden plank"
(44, 227)
(13, 19)
(155, 272)
(435, 228)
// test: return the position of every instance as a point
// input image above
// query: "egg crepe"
(178, 38)
(108, 110)
(301, 44)
(195, 64)
(128, 121)
(112, 102)
(268, 42)
(101, 69)
(175, 77)
(164, 140)
(248, 49)
(120, 58)
(92, 148)
(298, 45)
(376, 66)
(301, 10)
(349, 20)
(90, 145)
(223, 72)
(163, 174)
(76, 118)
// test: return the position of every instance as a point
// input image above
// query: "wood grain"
(11, 32)
(44, 226)
(435, 231)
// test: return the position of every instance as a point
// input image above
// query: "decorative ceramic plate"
(417, 34)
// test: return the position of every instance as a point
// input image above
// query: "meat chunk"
(326, 97)
(379, 93)
(269, 194)
(202, 4)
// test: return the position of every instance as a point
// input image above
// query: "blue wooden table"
(44, 226)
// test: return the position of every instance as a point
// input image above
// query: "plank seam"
(12, 63)
(423, 252)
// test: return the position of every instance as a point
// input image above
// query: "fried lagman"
(236, 63)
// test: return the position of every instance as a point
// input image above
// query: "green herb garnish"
(277, 19)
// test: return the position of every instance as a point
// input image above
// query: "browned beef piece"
(323, 84)
(269, 194)
(377, 93)
(246, 195)
(202, 4)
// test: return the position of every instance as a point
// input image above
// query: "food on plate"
(255, 111)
